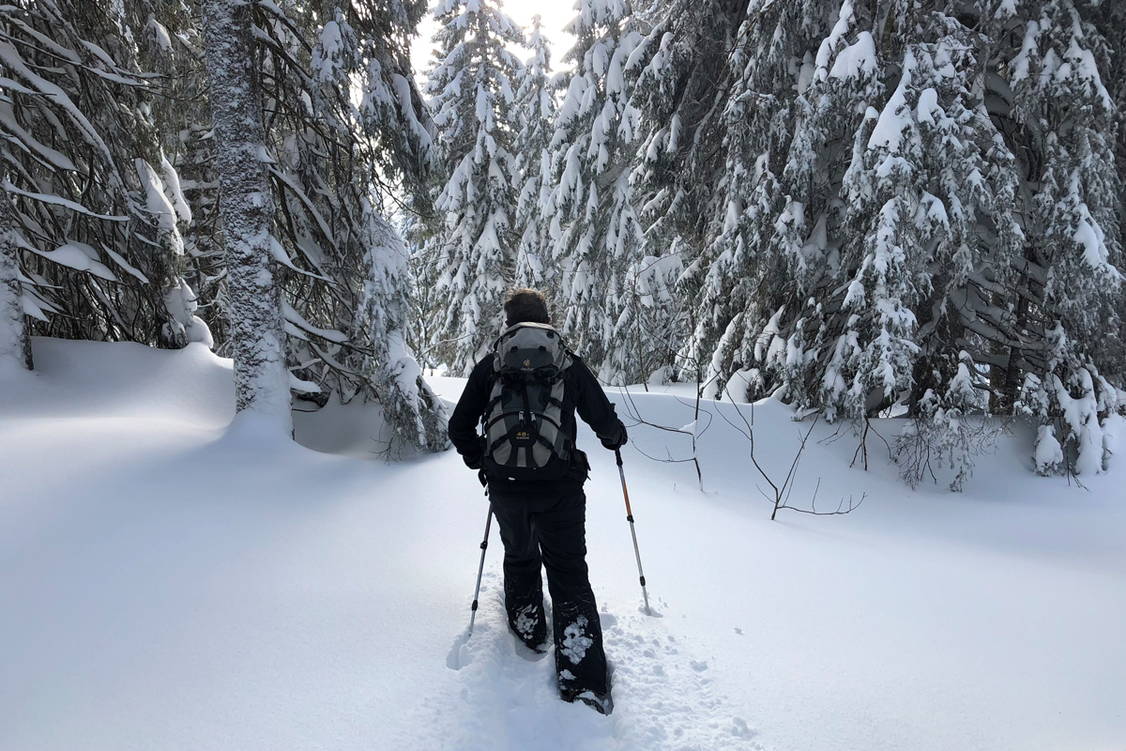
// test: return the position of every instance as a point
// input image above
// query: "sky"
(555, 14)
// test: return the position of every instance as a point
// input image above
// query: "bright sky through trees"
(555, 15)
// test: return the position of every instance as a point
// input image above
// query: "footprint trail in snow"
(502, 696)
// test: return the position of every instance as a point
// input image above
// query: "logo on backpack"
(524, 437)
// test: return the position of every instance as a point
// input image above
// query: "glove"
(615, 442)
(473, 462)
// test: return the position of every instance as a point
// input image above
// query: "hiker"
(525, 394)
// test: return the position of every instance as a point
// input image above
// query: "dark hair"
(525, 306)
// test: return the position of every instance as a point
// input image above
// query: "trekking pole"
(480, 571)
(632, 531)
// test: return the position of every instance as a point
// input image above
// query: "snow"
(159, 35)
(292, 316)
(328, 54)
(1049, 453)
(172, 583)
(10, 123)
(12, 60)
(79, 256)
(60, 201)
(1020, 65)
(156, 202)
(894, 119)
(174, 191)
(856, 60)
(124, 264)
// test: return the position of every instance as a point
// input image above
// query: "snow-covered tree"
(409, 406)
(95, 198)
(338, 163)
(1070, 341)
(472, 252)
(534, 111)
(737, 281)
(170, 44)
(247, 211)
(15, 346)
(650, 322)
(683, 71)
(921, 189)
(918, 207)
(593, 219)
(344, 133)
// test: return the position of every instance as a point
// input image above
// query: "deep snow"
(165, 585)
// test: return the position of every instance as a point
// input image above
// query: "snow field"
(165, 583)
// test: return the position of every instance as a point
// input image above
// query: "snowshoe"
(601, 703)
(537, 648)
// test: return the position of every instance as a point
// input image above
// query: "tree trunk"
(15, 346)
(246, 209)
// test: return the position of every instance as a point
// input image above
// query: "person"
(542, 513)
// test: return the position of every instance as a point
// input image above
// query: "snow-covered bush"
(949, 432)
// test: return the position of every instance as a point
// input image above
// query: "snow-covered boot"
(529, 625)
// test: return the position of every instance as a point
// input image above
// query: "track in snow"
(663, 696)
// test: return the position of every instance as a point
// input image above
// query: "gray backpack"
(524, 437)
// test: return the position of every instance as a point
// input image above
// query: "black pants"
(548, 527)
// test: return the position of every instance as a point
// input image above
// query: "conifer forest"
(864, 208)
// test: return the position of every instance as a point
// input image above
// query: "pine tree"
(409, 405)
(920, 189)
(247, 210)
(334, 160)
(170, 44)
(15, 346)
(738, 283)
(596, 229)
(472, 251)
(87, 176)
(914, 211)
(684, 70)
(534, 109)
(1073, 258)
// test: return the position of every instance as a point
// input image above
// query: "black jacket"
(581, 392)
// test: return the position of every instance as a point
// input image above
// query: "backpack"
(524, 437)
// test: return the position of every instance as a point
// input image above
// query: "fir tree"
(247, 209)
(738, 283)
(684, 69)
(339, 161)
(1073, 256)
(918, 208)
(93, 193)
(473, 249)
(15, 346)
(534, 110)
(596, 230)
